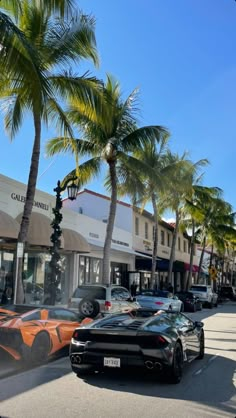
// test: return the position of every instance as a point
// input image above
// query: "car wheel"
(176, 370)
(182, 307)
(89, 308)
(210, 304)
(85, 371)
(216, 304)
(194, 307)
(40, 348)
(202, 346)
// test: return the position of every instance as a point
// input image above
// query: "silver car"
(94, 299)
(159, 299)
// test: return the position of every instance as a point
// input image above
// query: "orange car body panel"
(59, 331)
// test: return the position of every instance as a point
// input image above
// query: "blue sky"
(181, 55)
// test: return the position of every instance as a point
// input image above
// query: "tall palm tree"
(192, 216)
(217, 224)
(147, 183)
(42, 88)
(110, 134)
(178, 188)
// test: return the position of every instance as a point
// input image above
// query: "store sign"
(22, 199)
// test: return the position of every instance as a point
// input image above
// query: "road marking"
(211, 359)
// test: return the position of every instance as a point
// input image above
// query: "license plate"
(111, 362)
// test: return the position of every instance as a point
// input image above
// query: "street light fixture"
(54, 276)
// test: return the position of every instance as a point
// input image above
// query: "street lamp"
(54, 278)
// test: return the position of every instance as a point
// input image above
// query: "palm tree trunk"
(110, 223)
(191, 256)
(201, 259)
(155, 240)
(30, 193)
(172, 253)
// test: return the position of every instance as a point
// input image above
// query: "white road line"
(211, 359)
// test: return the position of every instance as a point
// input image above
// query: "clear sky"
(181, 54)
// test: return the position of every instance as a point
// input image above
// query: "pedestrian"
(170, 288)
(133, 289)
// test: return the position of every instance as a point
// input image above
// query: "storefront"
(37, 249)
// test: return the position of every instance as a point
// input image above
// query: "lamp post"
(54, 278)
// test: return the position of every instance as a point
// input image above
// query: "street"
(208, 387)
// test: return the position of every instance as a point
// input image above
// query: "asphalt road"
(207, 390)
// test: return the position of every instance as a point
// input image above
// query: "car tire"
(202, 346)
(85, 371)
(40, 348)
(216, 304)
(182, 307)
(176, 369)
(210, 304)
(89, 308)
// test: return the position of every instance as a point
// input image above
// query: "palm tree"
(110, 134)
(217, 223)
(177, 189)
(49, 45)
(145, 185)
(192, 216)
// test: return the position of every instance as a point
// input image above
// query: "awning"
(195, 268)
(73, 241)
(40, 230)
(9, 227)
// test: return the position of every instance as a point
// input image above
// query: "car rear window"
(199, 288)
(90, 292)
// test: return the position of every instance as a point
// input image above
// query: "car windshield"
(199, 288)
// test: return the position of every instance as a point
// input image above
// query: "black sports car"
(191, 302)
(161, 343)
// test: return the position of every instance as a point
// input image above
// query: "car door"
(188, 333)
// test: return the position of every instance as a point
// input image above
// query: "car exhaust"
(76, 359)
(149, 364)
(158, 365)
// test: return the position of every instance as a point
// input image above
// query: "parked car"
(191, 302)
(205, 294)
(91, 300)
(159, 299)
(228, 292)
(160, 343)
(32, 335)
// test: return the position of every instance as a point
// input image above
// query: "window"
(136, 226)
(185, 247)
(168, 239)
(63, 314)
(32, 317)
(146, 230)
(179, 244)
(120, 294)
(162, 237)
(89, 270)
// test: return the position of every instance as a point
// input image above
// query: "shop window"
(162, 237)
(185, 247)
(179, 244)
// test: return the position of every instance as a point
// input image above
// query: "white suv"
(205, 294)
(93, 299)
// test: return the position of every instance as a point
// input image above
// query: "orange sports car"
(35, 334)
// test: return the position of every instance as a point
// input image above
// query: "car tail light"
(107, 305)
(160, 340)
(76, 334)
(159, 303)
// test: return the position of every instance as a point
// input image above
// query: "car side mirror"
(198, 324)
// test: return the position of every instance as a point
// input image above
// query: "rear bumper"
(143, 359)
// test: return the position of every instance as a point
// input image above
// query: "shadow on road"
(193, 387)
